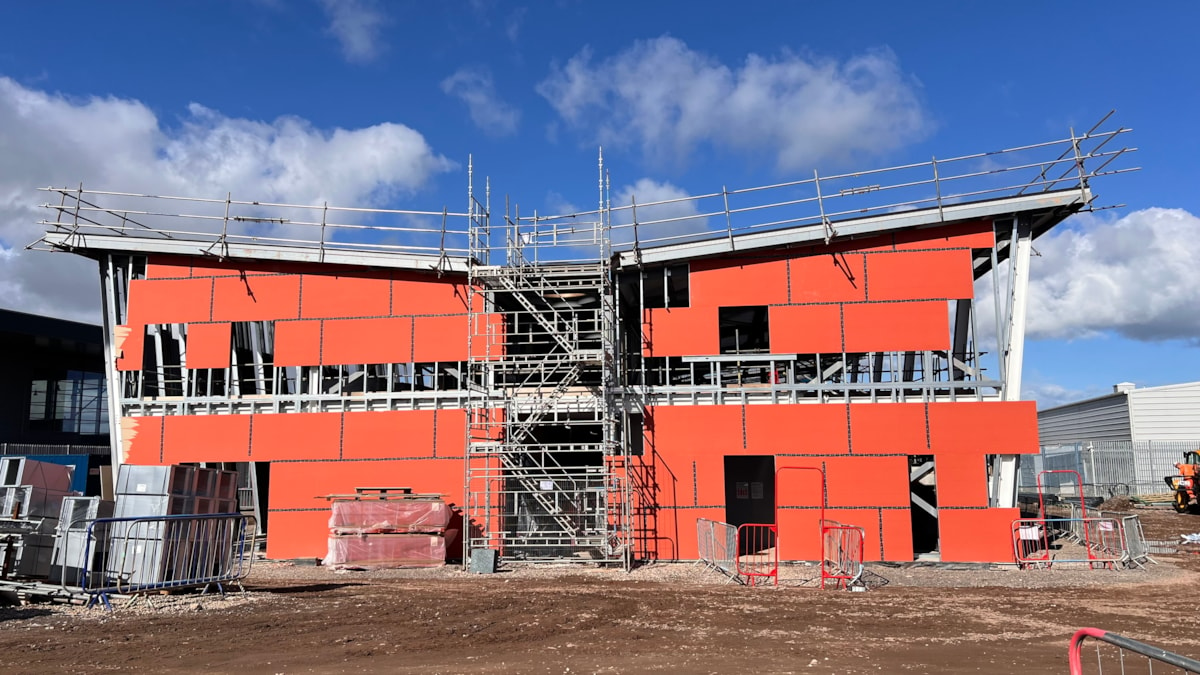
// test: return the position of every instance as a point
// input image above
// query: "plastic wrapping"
(381, 551)
(388, 515)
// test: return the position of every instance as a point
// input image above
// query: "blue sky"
(219, 89)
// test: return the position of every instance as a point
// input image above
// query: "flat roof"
(1048, 208)
(79, 242)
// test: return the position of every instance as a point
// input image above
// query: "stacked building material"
(72, 555)
(147, 551)
(378, 528)
(31, 497)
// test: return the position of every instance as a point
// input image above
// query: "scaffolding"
(546, 468)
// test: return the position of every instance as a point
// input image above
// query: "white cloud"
(356, 25)
(670, 100)
(658, 223)
(120, 144)
(1050, 395)
(1138, 276)
(475, 87)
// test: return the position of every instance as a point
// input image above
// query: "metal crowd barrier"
(1115, 651)
(1103, 541)
(841, 553)
(717, 543)
(138, 555)
(758, 552)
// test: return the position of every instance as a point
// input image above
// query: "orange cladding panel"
(296, 436)
(829, 278)
(868, 520)
(141, 440)
(206, 438)
(888, 428)
(208, 345)
(298, 534)
(367, 341)
(297, 485)
(806, 329)
(129, 343)
(169, 301)
(450, 438)
(388, 433)
(706, 481)
(440, 338)
(976, 535)
(256, 298)
(336, 297)
(169, 267)
(681, 331)
(920, 275)
(298, 343)
(799, 533)
(897, 535)
(730, 283)
(896, 326)
(961, 479)
(416, 294)
(804, 428)
(682, 432)
(676, 535)
(998, 427)
(960, 235)
(867, 481)
(796, 482)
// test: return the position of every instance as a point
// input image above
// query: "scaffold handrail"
(820, 201)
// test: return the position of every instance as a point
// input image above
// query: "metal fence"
(1109, 468)
(138, 555)
(53, 449)
(841, 554)
(1114, 653)
(758, 552)
(718, 546)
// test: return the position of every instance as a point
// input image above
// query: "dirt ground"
(660, 618)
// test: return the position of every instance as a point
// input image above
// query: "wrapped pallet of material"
(352, 516)
(383, 551)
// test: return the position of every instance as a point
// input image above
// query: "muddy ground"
(661, 618)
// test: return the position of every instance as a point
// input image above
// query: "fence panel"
(1109, 468)
(718, 544)
(1101, 539)
(841, 553)
(137, 555)
(758, 552)
(1118, 654)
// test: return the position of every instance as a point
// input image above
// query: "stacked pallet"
(31, 497)
(379, 528)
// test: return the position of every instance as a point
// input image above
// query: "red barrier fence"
(758, 552)
(841, 553)
(1119, 654)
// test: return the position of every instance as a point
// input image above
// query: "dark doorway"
(749, 489)
(923, 497)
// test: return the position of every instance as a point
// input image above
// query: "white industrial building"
(1149, 414)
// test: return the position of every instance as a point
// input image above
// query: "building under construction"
(585, 386)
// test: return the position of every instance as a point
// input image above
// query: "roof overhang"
(1044, 209)
(89, 244)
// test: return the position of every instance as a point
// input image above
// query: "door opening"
(749, 489)
(923, 496)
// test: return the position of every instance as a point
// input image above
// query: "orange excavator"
(1186, 485)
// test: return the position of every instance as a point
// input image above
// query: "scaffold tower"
(545, 468)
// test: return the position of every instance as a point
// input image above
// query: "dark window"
(665, 287)
(744, 330)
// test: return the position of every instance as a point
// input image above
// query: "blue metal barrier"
(154, 553)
